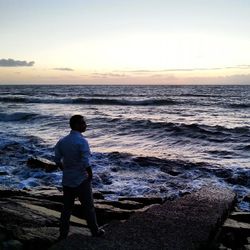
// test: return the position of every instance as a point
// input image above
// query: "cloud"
(15, 63)
(63, 69)
(244, 66)
(228, 79)
(145, 71)
(190, 69)
(106, 75)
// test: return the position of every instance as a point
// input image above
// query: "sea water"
(145, 140)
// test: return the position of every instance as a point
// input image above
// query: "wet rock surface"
(37, 162)
(29, 219)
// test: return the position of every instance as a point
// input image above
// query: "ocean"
(145, 140)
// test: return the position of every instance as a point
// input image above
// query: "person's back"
(72, 157)
(74, 152)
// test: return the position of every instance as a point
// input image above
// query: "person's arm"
(85, 152)
(58, 157)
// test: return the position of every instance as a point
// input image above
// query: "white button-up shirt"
(74, 153)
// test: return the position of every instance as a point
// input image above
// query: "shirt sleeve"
(85, 153)
(58, 155)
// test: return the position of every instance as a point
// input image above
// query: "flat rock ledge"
(30, 219)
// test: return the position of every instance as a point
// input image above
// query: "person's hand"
(90, 174)
(60, 165)
(90, 177)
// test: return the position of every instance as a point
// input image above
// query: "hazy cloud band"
(15, 63)
(184, 69)
(63, 69)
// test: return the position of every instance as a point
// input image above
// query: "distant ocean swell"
(122, 102)
(91, 101)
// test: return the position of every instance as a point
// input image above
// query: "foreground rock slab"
(189, 222)
(29, 219)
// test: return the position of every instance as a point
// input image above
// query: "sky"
(125, 42)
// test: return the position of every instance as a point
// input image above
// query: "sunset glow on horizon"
(132, 42)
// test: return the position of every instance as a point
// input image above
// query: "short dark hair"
(75, 119)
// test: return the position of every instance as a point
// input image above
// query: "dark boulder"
(37, 162)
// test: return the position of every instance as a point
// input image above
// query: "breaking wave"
(17, 116)
(193, 130)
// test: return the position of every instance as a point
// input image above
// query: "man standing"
(72, 157)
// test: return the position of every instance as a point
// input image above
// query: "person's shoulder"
(84, 139)
(63, 138)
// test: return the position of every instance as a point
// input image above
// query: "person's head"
(78, 123)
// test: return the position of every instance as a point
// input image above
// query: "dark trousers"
(84, 193)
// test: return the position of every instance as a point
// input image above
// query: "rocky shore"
(205, 219)
(29, 219)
